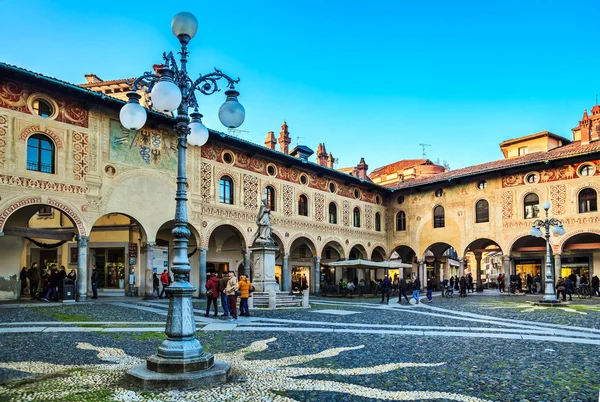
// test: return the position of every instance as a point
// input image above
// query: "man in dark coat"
(34, 279)
(402, 286)
(386, 287)
(94, 282)
(463, 286)
(595, 286)
(416, 289)
(430, 286)
(52, 292)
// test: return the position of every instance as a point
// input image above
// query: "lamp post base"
(144, 378)
(548, 303)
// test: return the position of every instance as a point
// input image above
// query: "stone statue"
(263, 220)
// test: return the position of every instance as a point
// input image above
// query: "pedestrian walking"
(595, 286)
(244, 287)
(165, 280)
(303, 283)
(155, 284)
(52, 293)
(501, 283)
(231, 290)
(386, 287)
(569, 288)
(470, 282)
(34, 279)
(561, 289)
(416, 289)
(452, 282)
(430, 286)
(456, 283)
(212, 293)
(94, 282)
(402, 287)
(224, 301)
(463, 286)
(23, 278)
(444, 287)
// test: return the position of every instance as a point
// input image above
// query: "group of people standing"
(44, 284)
(228, 289)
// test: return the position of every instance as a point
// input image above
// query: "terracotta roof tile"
(398, 166)
(566, 151)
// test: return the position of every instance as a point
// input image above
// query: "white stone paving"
(336, 312)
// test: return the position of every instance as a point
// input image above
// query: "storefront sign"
(133, 251)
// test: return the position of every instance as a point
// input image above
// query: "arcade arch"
(483, 259)
(302, 262)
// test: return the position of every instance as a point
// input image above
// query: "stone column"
(247, 263)
(506, 266)
(82, 271)
(202, 269)
(286, 277)
(557, 267)
(422, 273)
(317, 275)
(148, 282)
(461, 267)
(478, 272)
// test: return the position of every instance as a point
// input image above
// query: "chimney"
(92, 78)
(586, 129)
(361, 169)
(330, 161)
(595, 124)
(284, 139)
(270, 140)
(322, 155)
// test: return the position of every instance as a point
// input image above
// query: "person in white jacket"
(230, 291)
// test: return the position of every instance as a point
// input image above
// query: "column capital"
(286, 255)
(149, 244)
(506, 258)
(83, 240)
(203, 250)
(247, 252)
(317, 259)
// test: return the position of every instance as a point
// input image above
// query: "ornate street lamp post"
(557, 229)
(180, 360)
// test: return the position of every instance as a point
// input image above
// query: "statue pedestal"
(263, 258)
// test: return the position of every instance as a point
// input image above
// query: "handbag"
(252, 289)
(210, 293)
(238, 293)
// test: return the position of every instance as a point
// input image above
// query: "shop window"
(400, 221)
(356, 219)
(226, 190)
(40, 154)
(482, 211)
(531, 206)
(588, 200)
(377, 222)
(438, 217)
(332, 213)
(270, 197)
(302, 205)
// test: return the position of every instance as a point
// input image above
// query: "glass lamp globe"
(166, 96)
(558, 230)
(132, 114)
(536, 232)
(232, 113)
(546, 205)
(184, 24)
(198, 132)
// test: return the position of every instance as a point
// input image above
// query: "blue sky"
(369, 79)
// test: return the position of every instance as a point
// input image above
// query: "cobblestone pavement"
(480, 348)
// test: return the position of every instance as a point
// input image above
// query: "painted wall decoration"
(143, 148)
(80, 155)
(566, 172)
(205, 182)
(214, 150)
(319, 207)
(558, 198)
(3, 136)
(42, 184)
(507, 205)
(288, 200)
(14, 95)
(250, 192)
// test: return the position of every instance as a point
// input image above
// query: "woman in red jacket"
(212, 293)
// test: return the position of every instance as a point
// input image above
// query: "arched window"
(40, 154)
(400, 221)
(356, 219)
(438, 217)
(226, 190)
(302, 205)
(333, 213)
(532, 206)
(377, 222)
(588, 200)
(270, 197)
(482, 211)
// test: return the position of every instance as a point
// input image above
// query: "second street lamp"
(557, 229)
(180, 360)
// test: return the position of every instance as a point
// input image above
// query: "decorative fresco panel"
(143, 148)
(566, 172)
(319, 207)
(205, 182)
(250, 192)
(288, 200)
(3, 137)
(80, 155)
(507, 205)
(42, 184)
(558, 198)
(14, 96)
(346, 213)
(368, 218)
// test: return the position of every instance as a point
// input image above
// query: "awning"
(368, 264)
(54, 234)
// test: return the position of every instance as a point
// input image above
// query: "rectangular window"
(523, 151)
(532, 211)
